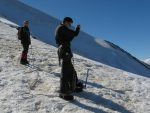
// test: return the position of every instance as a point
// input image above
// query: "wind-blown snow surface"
(34, 89)
(147, 61)
(43, 27)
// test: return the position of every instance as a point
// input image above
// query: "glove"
(78, 27)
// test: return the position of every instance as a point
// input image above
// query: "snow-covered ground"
(147, 61)
(34, 89)
(43, 27)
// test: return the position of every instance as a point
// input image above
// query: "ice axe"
(86, 78)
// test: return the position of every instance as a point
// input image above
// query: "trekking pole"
(19, 56)
(32, 55)
(86, 78)
(73, 60)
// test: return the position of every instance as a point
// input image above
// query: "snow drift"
(43, 27)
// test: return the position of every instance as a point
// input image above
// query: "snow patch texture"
(34, 88)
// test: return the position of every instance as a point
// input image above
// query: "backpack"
(20, 30)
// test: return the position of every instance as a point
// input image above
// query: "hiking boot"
(27, 62)
(79, 84)
(66, 97)
(79, 87)
(78, 90)
(24, 62)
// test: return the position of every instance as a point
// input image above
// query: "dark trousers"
(25, 48)
(24, 52)
(68, 76)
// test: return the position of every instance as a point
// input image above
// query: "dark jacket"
(24, 33)
(64, 35)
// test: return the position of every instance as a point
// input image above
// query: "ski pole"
(32, 54)
(86, 78)
(73, 60)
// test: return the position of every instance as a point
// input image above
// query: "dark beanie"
(68, 19)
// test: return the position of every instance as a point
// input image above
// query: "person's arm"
(70, 34)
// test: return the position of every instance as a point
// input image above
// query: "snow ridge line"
(117, 47)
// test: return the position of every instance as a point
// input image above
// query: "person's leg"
(78, 85)
(66, 86)
(26, 48)
(24, 54)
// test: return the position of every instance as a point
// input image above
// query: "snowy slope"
(34, 89)
(147, 61)
(43, 27)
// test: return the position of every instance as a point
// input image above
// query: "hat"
(68, 19)
(26, 21)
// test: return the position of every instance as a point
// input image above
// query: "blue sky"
(123, 22)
